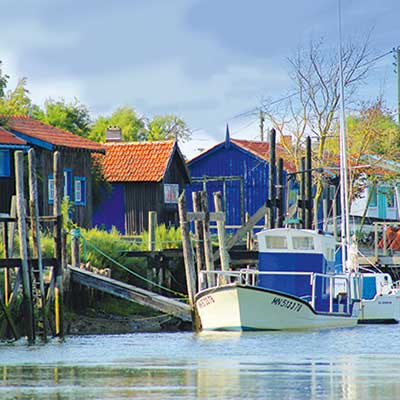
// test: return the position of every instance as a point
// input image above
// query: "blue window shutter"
(50, 189)
(80, 190)
(5, 168)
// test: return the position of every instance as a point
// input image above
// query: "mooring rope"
(181, 295)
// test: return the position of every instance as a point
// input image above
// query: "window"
(303, 243)
(80, 190)
(68, 183)
(50, 189)
(5, 163)
(276, 242)
(390, 198)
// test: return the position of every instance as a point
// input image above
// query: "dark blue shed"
(239, 169)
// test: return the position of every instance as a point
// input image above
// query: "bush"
(166, 238)
(102, 247)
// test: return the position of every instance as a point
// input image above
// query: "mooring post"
(35, 228)
(75, 244)
(23, 246)
(279, 194)
(188, 257)
(224, 255)
(198, 235)
(6, 272)
(309, 199)
(272, 178)
(58, 275)
(208, 253)
(249, 235)
(151, 246)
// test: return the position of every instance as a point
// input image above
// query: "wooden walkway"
(131, 293)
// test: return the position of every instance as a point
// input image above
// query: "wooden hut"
(9, 143)
(75, 158)
(145, 176)
(239, 169)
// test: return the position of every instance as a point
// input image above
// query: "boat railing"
(249, 277)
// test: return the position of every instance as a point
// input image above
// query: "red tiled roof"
(261, 149)
(8, 138)
(50, 134)
(137, 162)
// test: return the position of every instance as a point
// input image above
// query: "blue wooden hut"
(239, 169)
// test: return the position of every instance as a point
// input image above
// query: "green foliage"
(66, 212)
(3, 81)
(112, 244)
(167, 127)
(166, 238)
(124, 117)
(71, 116)
(101, 188)
(17, 101)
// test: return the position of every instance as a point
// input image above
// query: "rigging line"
(129, 270)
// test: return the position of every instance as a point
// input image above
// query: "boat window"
(276, 242)
(303, 243)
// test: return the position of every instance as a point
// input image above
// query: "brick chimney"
(113, 134)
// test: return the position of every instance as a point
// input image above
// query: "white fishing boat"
(293, 287)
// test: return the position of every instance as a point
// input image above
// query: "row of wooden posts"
(42, 304)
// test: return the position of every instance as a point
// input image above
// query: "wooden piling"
(198, 235)
(75, 255)
(6, 272)
(224, 255)
(58, 275)
(35, 228)
(208, 253)
(303, 192)
(188, 257)
(272, 180)
(309, 200)
(279, 195)
(29, 323)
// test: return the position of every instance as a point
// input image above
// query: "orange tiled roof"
(8, 138)
(50, 134)
(137, 162)
(261, 149)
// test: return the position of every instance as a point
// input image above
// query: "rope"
(129, 270)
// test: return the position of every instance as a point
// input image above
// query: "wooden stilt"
(198, 235)
(208, 253)
(37, 251)
(58, 275)
(22, 231)
(224, 255)
(187, 249)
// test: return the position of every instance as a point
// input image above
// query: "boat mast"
(344, 191)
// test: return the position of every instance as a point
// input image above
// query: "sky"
(207, 61)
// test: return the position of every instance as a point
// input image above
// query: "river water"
(348, 363)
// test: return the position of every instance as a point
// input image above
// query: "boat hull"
(381, 309)
(241, 308)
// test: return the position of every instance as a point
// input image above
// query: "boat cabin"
(298, 262)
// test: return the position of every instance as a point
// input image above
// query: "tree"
(73, 116)
(126, 118)
(167, 127)
(3, 82)
(373, 140)
(312, 106)
(17, 101)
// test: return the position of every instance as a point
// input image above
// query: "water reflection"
(309, 365)
(362, 377)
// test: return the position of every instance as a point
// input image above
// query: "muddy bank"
(101, 323)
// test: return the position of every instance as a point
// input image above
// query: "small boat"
(380, 302)
(294, 287)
